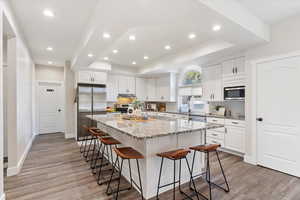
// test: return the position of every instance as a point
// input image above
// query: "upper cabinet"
(126, 84)
(212, 83)
(151, 89)
(91, 77)
(234, 72)
(140, 89)
(162, 89)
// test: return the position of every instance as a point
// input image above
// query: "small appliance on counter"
(124, 101)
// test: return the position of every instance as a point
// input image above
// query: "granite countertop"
(157, 126)
(210, 115)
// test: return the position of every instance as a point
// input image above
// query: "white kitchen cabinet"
(126, 84)
(91, 77)
(112, 88)
(212, 83)
(235, 138)
(141, 88)
(151, 89)
(163, 89)
(233, 72)
(231, 137)
(99, 77)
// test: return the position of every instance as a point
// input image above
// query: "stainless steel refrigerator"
(91, 100)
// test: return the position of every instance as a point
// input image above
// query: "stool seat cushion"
(128, 153)
(109, 141)
(206, 147)
(175, 154)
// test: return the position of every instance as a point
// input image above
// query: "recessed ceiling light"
(90, 55)
(115, 51)
(216, 28)
(192, 35)
(50, 62)
(48, 13)
(49, 49)
(132, 37)
(167, 47)
(134, 63)
(105, 58)
(106, 35)
(146, 57)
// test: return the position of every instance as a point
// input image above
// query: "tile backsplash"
(237, 108)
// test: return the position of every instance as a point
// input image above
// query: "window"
(192, 77)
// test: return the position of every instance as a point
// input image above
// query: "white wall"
(284, 39)
(24, 91)
(1, 104)
(49, 73)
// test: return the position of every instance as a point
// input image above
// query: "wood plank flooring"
(55, 170)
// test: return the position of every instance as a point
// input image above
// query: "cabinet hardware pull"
(233, 70)
(236, 70)
(214, 134)
(235, 122)
(214, 120)
(213, 141)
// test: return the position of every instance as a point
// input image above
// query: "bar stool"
(176, 155)
(95, 133)
(107, 142)
(85, 139)
(207, 149)
(126, 153)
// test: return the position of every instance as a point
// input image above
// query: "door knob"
(59, 110)
(259, 119)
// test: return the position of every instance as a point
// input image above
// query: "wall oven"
(234, 93)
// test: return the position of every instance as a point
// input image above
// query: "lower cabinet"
(235, 138)
(231, 137)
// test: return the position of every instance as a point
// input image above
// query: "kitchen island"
(149, 137)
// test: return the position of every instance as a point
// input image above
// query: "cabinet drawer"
(215, 134)
(210, 140)
(232, 122)
(215, 120)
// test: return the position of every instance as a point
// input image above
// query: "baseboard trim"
(69, 135)
(250, 160)
(12, 171)
(2, 196)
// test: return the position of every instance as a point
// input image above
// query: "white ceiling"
(62, 32)
(78, 25)
(272, 11)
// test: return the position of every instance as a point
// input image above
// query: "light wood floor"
(54, 170)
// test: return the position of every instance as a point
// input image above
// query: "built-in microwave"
(234, 93)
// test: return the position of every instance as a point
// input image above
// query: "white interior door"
(51, 108)
(278, 106)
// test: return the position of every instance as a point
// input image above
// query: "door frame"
(38, 82)
(253, 99)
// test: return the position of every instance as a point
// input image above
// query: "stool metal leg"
(174, 179)
(130, 174)
(208, 175)
(158, 187)
(192, 180)
(226, 190)
(101, 164)
(120, 175)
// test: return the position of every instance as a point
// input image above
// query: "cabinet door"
(212, 82)
(141, 88)
(112, 88)
(85, 76)
(163, 89)
(228, 68)
(126, 85)
(240, 65)
(99, 77)
(151, 90)
(235, 138)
